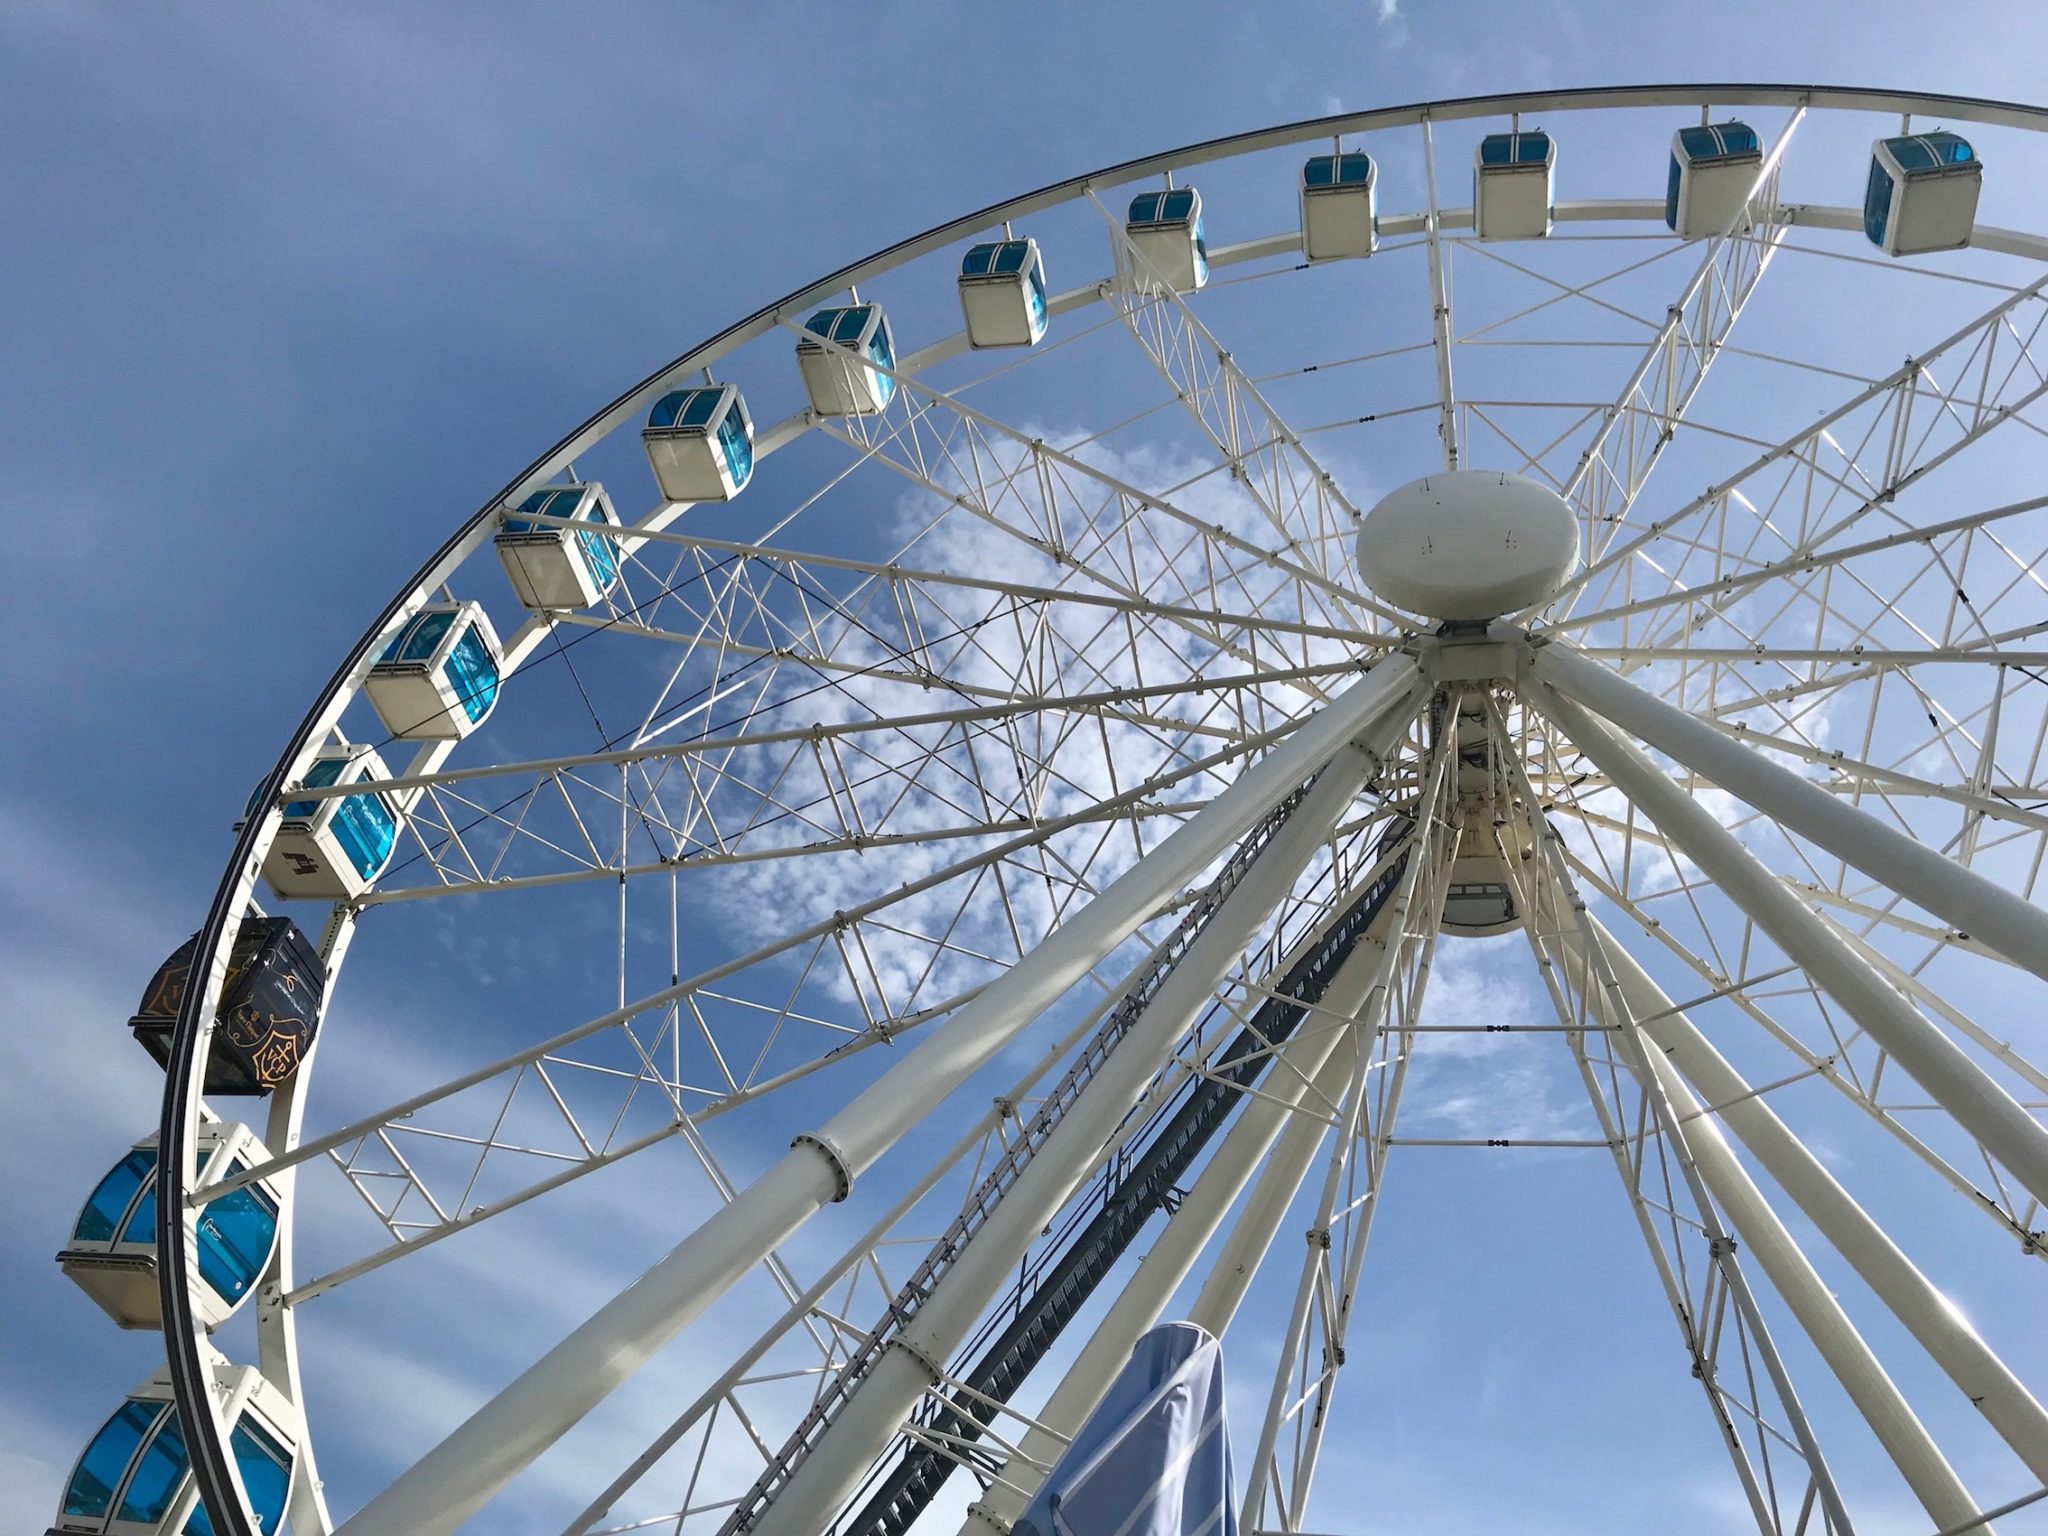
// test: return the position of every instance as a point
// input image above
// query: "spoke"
(1265, 456)
(1831, 1068)
(1799, 564)
(1895, 396)
(895, 576)
(1968, 1360)
(1563, 291)
(1311, 1069)
(1627, 867)
(1104, 701)
(560, 1388)
(795, 941)
(823, 1460)
(737, 798)
(1635, 430)
(2015, 928)
(1439, 307)
(1035, 490)
(862, 1254)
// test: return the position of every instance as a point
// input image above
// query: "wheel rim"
(1294, 624)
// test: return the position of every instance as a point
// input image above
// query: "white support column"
(1805, 1294)
(1313, 1054)
(2013, 926)
(718, 1392)
(1936, 1062)
(1344, 1216)
(1721, 1293)
(821, 1481)
(1236, 1263)
(1970, 1363)
(452, 1481)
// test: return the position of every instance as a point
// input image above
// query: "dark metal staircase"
(1138, 1187)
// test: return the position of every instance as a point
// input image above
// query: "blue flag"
(1154, 1457)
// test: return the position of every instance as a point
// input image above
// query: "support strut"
(1051, 1296)
(455, 1479)
(814, 1473)
(1936, 1062)
(1977, 907)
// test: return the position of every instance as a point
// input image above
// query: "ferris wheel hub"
(1468, 544)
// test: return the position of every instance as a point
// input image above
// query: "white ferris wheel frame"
(1593, 978)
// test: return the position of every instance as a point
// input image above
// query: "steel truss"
(1634, 431)
(979, 713)
(1752, 1401)
(1139, 1183)
(1311, 1353)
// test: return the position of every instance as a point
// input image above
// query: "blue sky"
(293, 289)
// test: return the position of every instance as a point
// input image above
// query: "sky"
(290, 291)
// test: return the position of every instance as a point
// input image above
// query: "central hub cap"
(1468, 544)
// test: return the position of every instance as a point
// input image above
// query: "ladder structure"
(1066, 1275)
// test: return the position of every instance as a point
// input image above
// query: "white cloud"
(1476, 1085)
(1038, 768)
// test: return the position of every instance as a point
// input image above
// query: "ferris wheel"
(968, 777)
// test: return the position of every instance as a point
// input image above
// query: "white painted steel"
(1181, 1243)
(454, 1479)
(1973, 1181)
(1375, 1088)
(1962, 1023)
(1236, 1262)
(858, 1252)
(1703, 1318)
(1819, 1315)
(275, 1312)
(1814, 1308)
(1929, 1316)
(2010, 924)
(1416, 914)
(824, 1478)
(1441, 338)
(1637, 427)
(1955, 1082)
(1310, 1073)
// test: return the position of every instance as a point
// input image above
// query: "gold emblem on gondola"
(269, 1042)
(277, 1058)
(167, 987)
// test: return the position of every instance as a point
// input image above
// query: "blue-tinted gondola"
(112, 1252)
(437, 678)
(842, 385)
(1002, 293)
(1713, 170)
(1922, 193)
(1339, 206)
(1165, 228)
(552, 566)
(700, 443)
(1512, 181)
(135, 1478)
(333, 847)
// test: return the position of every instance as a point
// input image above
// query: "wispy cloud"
(1490, 1085)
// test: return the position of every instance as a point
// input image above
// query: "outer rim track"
(184, 1340)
